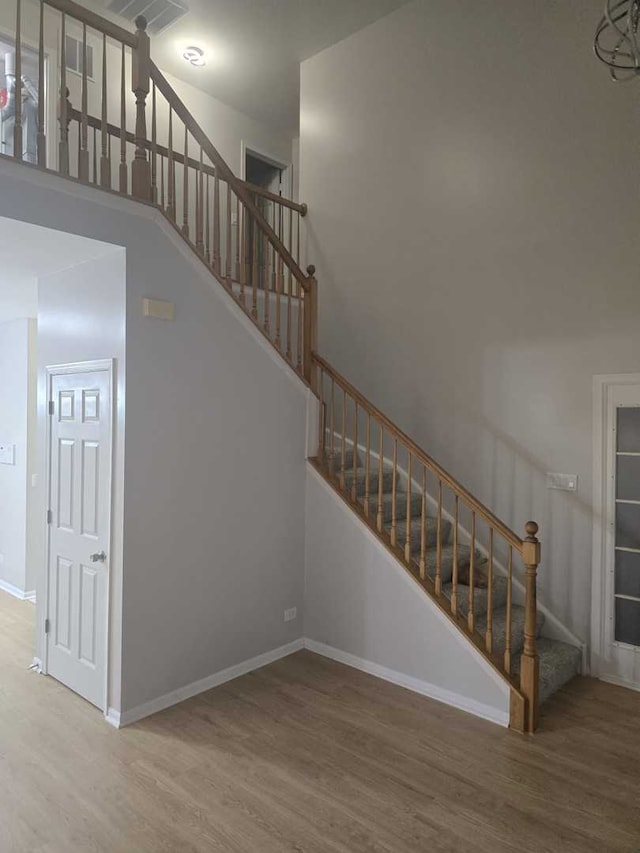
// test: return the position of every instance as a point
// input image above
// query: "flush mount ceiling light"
(194, 56)
(617, 41)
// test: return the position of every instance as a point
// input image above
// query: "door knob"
(100, 557)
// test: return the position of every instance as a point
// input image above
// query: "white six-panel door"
(79, 529)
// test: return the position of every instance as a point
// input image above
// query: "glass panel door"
(627, 526)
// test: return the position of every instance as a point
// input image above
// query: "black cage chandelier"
(616, 41)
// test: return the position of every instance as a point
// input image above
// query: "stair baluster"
(507, 647)
(123, 172)
(407, 544)
(17, 115)
(472, 575)
(343, 440)
(171, 174)
(454, 570)
(423, 525)
(380, 514)
(42, 139)
(367, 468)
(140, 85)
(488, 637)
(185, 185)
(217, 257)
(394, 493)
(200, 208)
(65, 106)
(354, 485)
(438, 581)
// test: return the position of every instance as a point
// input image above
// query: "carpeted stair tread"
(499, 627)
(446, 561)
(335, 459)
(480, 596)
(431, 534)
(401, 505)
(559, 662)
(361, 474)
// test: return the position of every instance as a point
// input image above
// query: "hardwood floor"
(308, 755)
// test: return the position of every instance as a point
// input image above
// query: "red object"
(4, 97)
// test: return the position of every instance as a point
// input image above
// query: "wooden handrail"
(97, 124)
(278, 199)
(508, 535)
(165, 88)
(93, 20)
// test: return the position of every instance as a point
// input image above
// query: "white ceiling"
(254, 47)
(29, 252)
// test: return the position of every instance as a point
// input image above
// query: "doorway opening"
(58, 294)
(274, 178)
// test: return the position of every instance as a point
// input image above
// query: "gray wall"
(215, 452)
(16, 339)
(360, 601)
(471, 175)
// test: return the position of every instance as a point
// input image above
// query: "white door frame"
(285, 167)
(602, 492)
(105, 365)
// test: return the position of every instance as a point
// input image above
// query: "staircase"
(480, 573)
(559, 662)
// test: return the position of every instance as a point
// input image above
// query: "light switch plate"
(7, 454)
(564, 482)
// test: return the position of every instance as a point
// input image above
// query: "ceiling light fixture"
(194, 56)
(617, 40)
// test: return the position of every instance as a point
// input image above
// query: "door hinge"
(47, 626)
(49, 516)
(52, 407)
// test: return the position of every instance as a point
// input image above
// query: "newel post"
(140, 85)
(310, 326)
(529, 667)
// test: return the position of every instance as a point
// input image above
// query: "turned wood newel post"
(140, 85)
(310, 325)
(529, 683)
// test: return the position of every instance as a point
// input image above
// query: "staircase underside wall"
(363, 608)
(214, 478)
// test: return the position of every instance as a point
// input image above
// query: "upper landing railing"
(84, 99)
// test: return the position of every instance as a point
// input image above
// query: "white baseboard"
(16, 592)
(118, 720)
(125, 718)
(433, 691)
(113, 718)
(619, 682)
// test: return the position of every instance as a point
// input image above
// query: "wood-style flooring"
(308, 755)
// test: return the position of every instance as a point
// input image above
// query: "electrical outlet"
(290, 614)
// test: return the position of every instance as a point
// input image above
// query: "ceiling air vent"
(160, 14)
